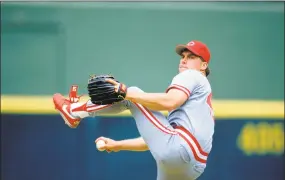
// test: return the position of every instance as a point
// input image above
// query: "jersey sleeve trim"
(179, 87)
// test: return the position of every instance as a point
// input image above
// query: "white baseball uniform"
(181, 142)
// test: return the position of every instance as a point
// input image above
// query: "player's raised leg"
(154, 129)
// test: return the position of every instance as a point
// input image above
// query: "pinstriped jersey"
(196, 114)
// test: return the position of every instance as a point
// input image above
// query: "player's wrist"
(119, 145)
(129, 96)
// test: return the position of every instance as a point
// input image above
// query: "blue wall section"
(41, 147)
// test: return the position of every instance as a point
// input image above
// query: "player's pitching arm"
(137, 144)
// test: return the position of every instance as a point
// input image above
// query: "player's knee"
(134, 88)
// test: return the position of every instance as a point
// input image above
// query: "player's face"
(191, 61)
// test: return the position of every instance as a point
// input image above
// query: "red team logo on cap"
(192, 43)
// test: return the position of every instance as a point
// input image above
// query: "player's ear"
(204, 65)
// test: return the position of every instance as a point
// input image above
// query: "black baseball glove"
(105, 89)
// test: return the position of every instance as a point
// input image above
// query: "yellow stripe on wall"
(222, 108)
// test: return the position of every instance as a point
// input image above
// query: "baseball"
(100, 144)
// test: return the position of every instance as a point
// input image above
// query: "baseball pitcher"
(181, 142)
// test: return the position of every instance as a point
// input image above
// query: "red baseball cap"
(196, 47)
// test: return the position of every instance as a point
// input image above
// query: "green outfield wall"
(46, 47)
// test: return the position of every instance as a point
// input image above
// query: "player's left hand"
(119, 87)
